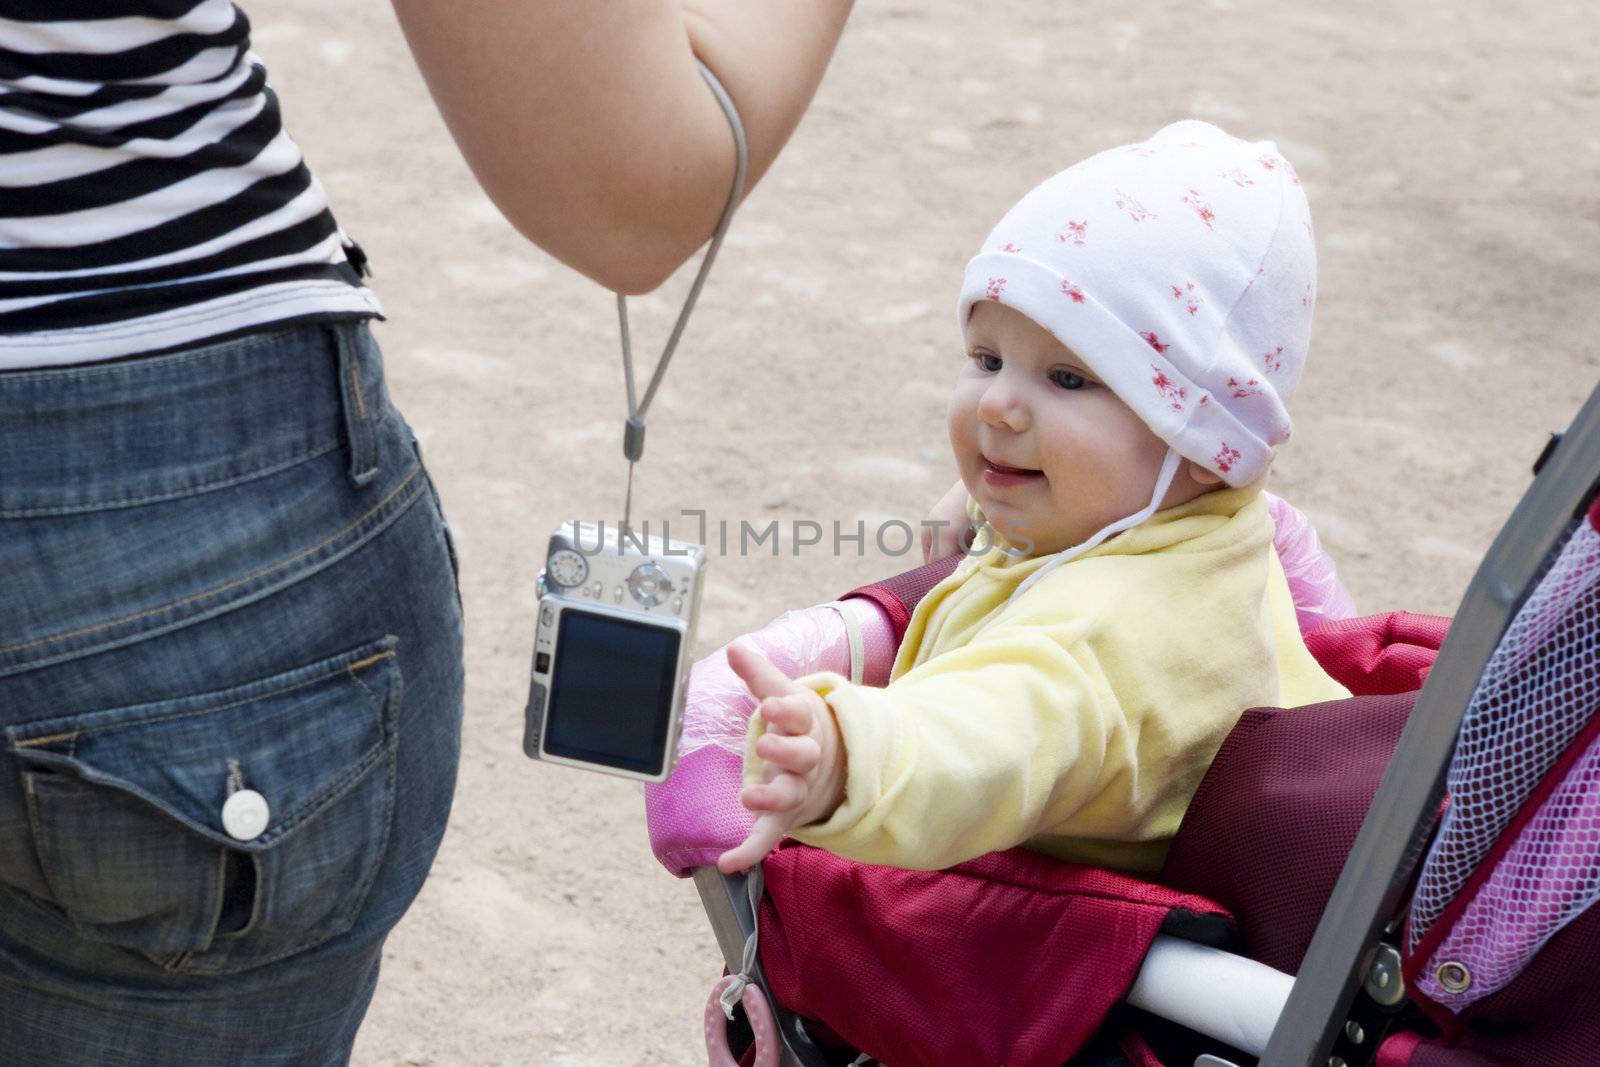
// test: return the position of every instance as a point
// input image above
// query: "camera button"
(548, 615)
(649, 584)
(616, 594)
(677, 605)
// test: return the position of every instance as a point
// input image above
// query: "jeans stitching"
(50, 740)
(171, 494)
(246, 579)
(145, 366)
(219, 895)
(213, 708)
(372, 694)
(355, 387)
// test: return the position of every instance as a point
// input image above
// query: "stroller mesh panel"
(1549, 876)
(1538, 692)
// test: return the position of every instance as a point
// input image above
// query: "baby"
(1134, 327)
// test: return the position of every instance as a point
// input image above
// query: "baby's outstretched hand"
(803, 757)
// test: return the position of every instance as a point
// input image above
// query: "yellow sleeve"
(977, 749)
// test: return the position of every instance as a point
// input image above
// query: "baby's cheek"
(960, 424)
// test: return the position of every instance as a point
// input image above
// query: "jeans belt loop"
(359, 414)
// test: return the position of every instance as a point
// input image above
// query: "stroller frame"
(1348, 943)
(726, 898)
(1349, 954)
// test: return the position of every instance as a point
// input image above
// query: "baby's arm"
(1319, 595)
(976, 750)
(802, 756)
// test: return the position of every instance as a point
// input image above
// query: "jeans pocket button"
(245, 815)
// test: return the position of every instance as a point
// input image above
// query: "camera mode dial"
(567, 568)
(649, 584)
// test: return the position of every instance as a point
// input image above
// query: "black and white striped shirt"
(149, 197)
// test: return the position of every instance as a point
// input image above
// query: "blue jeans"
(230, 701)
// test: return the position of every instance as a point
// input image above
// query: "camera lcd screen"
(611, 692)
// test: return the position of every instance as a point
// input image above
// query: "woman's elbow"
(634, 267)
(629, 244)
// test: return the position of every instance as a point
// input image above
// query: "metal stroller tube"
(1231, 998)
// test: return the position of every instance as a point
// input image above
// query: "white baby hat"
(1182, 271)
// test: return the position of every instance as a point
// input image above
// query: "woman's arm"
(590, 127)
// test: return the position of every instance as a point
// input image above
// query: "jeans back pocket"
(223, 830)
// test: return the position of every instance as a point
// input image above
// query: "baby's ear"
(1202, 475)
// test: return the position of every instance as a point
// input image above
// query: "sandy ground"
(1451, 154)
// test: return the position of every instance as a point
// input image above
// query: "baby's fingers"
(798, 755)
(764, 837)
(792, 714)
(783, 794)
(755, 671)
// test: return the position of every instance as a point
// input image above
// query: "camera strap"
(633, 434)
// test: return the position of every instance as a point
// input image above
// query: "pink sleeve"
(1319, 596)
(879, 642)
(695, 815)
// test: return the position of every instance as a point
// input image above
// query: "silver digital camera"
(617, 613)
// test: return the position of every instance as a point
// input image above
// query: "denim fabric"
(220, 570)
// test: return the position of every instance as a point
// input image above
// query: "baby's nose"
(1001, 406)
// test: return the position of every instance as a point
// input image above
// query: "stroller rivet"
(1336, 1061)
(1453, 977)
(1383, 981)
(1353, 1031)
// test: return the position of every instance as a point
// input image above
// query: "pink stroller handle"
(756, 1010)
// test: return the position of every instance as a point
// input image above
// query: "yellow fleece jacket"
(1080, 718)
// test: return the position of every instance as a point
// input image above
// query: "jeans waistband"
(113, 435)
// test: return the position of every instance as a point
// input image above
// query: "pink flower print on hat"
(1268, 162)
(1073, 231)
(1201, 208)
(1170, 390)
(1154, 341)
(996, 287)
(1273, 361)
(1238, 177)
(1010, 246)
(1136, 211)
(1245, 389)
(1068, 288)
(1226, 458)
(1189, 295)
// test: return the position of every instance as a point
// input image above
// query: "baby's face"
(1049, 453)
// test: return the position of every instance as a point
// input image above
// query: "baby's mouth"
(999, 474)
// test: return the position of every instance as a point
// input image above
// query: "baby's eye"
(986, 361)
(1068, 380)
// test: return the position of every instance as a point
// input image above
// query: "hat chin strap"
(1169, 471)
